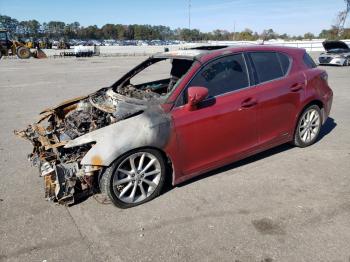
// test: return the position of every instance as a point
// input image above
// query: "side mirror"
(195, 95)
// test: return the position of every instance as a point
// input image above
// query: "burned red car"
(213, 106)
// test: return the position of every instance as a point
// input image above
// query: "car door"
(278, 93)
(223, 127)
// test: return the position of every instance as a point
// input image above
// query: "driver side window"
(223, 75)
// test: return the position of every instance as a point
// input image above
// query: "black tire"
(107, 178)
(23, 52)
(298, 141)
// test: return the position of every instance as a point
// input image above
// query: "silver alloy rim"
(136, 177)
(309, 125)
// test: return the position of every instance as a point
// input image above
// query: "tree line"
(59, 29)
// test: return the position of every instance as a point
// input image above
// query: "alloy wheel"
(309, 125)
(136, 177)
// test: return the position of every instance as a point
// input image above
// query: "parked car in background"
(337, 53)
(213, 106)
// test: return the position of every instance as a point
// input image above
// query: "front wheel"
(135, 178)
(23, 52)
(308, 127)
(347, 62)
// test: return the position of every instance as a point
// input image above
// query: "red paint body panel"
(209, 135)
(277, 108)
(226, 131)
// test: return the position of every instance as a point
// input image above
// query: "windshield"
(154, 79)
(3, 36)
(338, 50)
(153, 73)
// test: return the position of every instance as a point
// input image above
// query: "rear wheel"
(308, 127)
(135, 178)
(23, 52)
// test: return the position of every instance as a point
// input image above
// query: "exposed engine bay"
(65, 177)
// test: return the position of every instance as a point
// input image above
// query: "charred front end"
(60, 165)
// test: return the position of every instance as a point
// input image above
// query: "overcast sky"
(284, 16)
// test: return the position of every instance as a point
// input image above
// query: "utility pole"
(234, 30)
(189, 14)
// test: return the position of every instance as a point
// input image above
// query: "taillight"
(324, 76)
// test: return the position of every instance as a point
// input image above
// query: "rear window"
(308, 61)
(268, 65)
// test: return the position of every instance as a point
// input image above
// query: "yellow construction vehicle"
(15, 47)
(31, 43)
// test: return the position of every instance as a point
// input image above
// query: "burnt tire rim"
(136, 177)
(309, 125)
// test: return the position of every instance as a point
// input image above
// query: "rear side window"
(223, 75)
(268, 65)
(308, 61)
(285, 62)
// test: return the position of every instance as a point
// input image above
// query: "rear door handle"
(296, 87)
(249, 102)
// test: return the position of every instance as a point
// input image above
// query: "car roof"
(189, 54)
(208, 52)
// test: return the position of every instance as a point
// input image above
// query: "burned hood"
(335, 45)
(63, 104)
(120, 106)
(104, 99)
(75, 117)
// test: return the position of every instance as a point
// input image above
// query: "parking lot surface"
(286, 204)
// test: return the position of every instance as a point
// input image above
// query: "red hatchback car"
(212, 107)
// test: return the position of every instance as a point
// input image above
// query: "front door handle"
(296, 87)
(249, 102)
